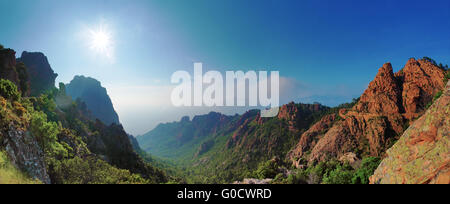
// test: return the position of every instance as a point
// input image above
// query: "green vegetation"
(266, 170)
(23, 78)
(447, 76)
(10, 175)
(46, 135)
(341, 174)
(9, 90)
(329, 172)
(91, 171)
(200, 155)
(366, 169)
(436, 97)
(432, 61)
(57, 130)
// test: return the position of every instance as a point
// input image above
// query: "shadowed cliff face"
(8, 65)
(95, 96)
(14, 71)
(422, 155)
(41, 75)
(386, 107)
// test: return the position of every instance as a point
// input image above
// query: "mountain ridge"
(387, 106)
(310, 134)
(91, 92)
(55, 139)
(422, 155)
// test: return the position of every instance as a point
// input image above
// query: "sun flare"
(100, 41)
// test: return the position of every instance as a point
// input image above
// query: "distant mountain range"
(304, 137)
(395, 132)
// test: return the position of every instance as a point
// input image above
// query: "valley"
(72, 134)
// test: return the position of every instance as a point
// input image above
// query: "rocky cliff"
(51, 139)
(95, 96)
(383, 112)
(422, 155)
(41, 75)
(25, 153)
(13, 71)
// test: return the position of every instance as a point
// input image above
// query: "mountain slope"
(422, 155)
(42, 77)
(54, 139)
(383, 112)
(218, 148)
(173, 140)
(95, 96)
(10, 174)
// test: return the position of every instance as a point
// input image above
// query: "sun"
(100, 41)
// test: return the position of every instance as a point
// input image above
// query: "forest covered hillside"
(305, 143)
(46, 137)
(53, 135)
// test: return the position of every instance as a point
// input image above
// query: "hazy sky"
(326, 51)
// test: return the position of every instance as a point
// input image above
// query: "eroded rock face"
(309, 138)
(421, 81)
(383, 96)
(41, 75)
(422, 155)
(25, 153)
(386, 107)
(8, 65)
(296, 115)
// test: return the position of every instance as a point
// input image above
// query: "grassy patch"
(10, 175)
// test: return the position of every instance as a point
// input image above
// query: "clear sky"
(326, 51)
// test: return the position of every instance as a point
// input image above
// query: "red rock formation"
(422, 155)
(389, 103)
(295, 114)
(383, 96)
(309, 138)
(421, 81)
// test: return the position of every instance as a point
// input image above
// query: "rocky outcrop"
(13, 71)
(421, 81)
(386, 107)
(254, 181)
(8, 65)
(295, 114)
(95, 96)
(310, 138)
(422, 155)
(41, 75)
(25, 153)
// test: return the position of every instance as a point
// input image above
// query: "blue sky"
(326, 50)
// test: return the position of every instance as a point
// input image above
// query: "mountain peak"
(41, 75)
(90, 91)
(421, 155)
(386, 107)
(383, 94)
